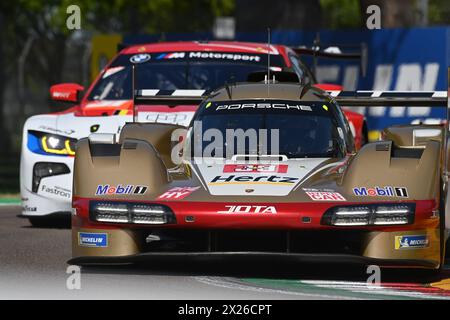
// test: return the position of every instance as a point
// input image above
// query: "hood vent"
(255, 157)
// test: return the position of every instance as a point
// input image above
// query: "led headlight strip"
(60, 146)
(130, 212)
(48, 143)
(370, 215)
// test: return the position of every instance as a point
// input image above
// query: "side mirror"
(67, 92)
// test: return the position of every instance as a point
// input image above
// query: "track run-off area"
(33, 266)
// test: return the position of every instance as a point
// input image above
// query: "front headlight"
(47, 143)
(130, 212)
(370, 215)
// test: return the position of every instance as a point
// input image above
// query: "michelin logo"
(411, 242)
(120, 189)
(98, 240)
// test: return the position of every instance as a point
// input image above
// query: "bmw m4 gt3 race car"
(264, 170)
(48, 140)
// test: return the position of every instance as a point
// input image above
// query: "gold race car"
(264, 169)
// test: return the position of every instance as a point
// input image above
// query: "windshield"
(266, 127)
(181, 70)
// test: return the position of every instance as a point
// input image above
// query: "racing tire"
(50, 222)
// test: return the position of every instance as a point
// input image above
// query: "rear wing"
(359, 98)
(169, 98)
(390, 98)
(359, 52)
(398, 99)
(331, 52)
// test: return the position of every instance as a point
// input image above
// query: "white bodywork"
(54, 194)
(297, 169)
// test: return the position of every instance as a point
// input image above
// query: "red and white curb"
(407, 290)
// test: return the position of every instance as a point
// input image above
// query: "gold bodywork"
(145, 159)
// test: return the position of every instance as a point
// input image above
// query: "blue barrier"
(399, 59)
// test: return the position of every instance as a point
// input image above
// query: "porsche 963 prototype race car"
(264, 169)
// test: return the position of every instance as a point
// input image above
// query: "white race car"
(47, 161)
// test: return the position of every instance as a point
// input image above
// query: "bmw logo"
(140, 58)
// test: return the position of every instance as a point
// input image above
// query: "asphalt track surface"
(33, 266)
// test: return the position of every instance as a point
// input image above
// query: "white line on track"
(351, 287)
(230, 283)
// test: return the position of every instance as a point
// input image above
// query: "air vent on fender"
(411, 153)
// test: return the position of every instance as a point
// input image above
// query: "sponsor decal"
(171, 55)
(88, 239)
(167, 117)
(411, 242)
(253, 180)
(325, 196)
(177, 193)
(249, 209)
(57, 191)
(66, 132)
(140, 58)
(120, 189)
(263, 105)
(224, 56)
(387, 191)
(27, 208)
(255, 168)
(63, 95)
(209, 55)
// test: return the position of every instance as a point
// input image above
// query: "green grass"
(9, 198)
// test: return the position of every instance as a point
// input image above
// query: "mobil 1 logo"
(401, 192)
(386, 191)
(120, 189)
